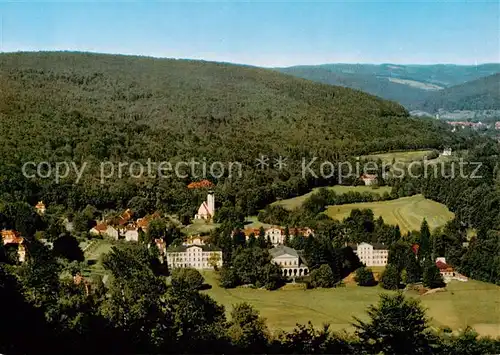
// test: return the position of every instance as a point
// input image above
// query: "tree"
(413, 269)
(364, 277)
(432, 277)
(287, 236)
(214, 260)
(187, 278)
(424, 251)
(252, 241)
(247, 330)
(157, 229)
(228, 277)
(397, 325)
(272, 276)
(66, 246)
(390, 278)
(322, 277)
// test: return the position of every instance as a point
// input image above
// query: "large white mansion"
(372, 254)
(289, 260)
(194, 253)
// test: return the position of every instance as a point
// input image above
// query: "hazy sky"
(262, 33)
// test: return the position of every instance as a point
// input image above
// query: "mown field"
(472, 303)
(403, 157)
(407, 212)
(295, 202)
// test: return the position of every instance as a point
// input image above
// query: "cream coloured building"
(372, 254)
(195, 256)
(289, 260)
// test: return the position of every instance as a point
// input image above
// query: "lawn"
(404, 157)
(199, 226)
(465, 303)
(253, 222)
(93, 256)
(407, 212)
(295, 202)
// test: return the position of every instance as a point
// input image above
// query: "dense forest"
(406, 84)
(480, 94)
(91, 108)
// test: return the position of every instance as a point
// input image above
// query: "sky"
(262, 33)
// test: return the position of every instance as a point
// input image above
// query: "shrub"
(390, 278)
(322, 277)
(364, 277)
(187, 278)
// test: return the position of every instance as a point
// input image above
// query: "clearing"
(472, 303)
(402, 157)
(295, 202)
(407, 212)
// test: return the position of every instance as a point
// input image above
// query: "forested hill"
(406, 84)
(481, 94)
(80, 106)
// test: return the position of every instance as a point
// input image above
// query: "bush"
(432, 278)
(228, 278)
(187, 278)
(390, 278)
(364, 277)
(322, 277)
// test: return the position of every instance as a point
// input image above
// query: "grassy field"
(253, 222)
(471, 303)
(404, 157)
(295, 202)
(93, 256)
(199, 226)
(407, 212)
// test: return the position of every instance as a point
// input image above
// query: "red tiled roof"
(200, 184)
(443, 266)
(101, 227)
(368, 177)
(11, 237)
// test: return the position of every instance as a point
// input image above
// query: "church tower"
(211, 202)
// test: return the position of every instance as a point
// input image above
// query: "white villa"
(372, 254)
(289, 260)
(207, 208)
(198, 256)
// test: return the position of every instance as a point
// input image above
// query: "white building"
(207, 208)
(369, 179)
(289, 260)
(372, 254)
(103, 229)
(277, 234)
(446, 152)
(194, 256)
(40, 208)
